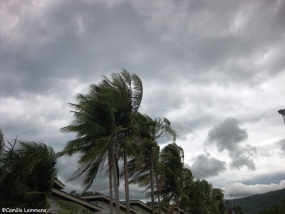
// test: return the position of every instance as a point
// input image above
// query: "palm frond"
(29, 175)
(137, 92)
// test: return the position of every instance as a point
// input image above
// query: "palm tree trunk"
(126, 181)
(115, 182)
(177, 204)
(110, 183)
(158, 192)
(152, 190)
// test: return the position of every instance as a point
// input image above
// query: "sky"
(214, 68)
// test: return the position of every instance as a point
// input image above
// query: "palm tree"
(128, 91)
(28, 176)
(176, 178)
(150, 131)
(218, 196)
(106, 128)
(2, 150)
(2, 145)
(203, 198)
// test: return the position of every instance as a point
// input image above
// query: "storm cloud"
(228, 135)
(204, 166)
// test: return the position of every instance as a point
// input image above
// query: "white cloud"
(241, 190)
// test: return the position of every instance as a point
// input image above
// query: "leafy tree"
(238, 210)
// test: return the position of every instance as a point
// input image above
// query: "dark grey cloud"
(227, 135)
(229, 35)
(204, 166)
(84, 39)
(78, 40)
(241, 160)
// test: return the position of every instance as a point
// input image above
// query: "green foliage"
(238, 210)
(218, 197)
(176, 179)
(103, 118)
(2, 145)
(204, 199)
(27, 174)
(276, 208)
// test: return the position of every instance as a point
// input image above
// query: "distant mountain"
(253, 204)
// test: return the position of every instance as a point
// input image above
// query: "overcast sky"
(214, 68)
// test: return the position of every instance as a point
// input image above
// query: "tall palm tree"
(106, 127)
(128, 91)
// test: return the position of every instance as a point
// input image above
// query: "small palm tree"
(146, 170)
(27, 175)
(218, 197)
(203, 198)
(176, 178)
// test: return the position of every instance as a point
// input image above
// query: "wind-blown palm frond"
(29, 175)
(2, 146)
